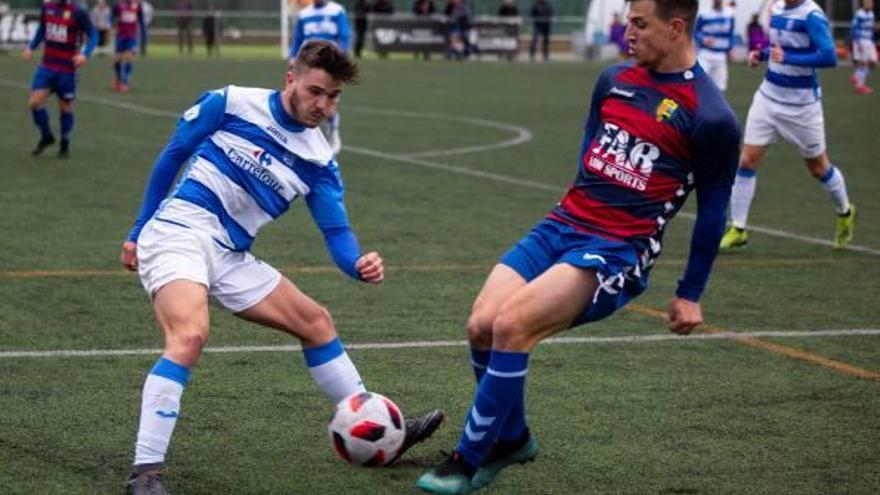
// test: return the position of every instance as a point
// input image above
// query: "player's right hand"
(128, 257)
(754, 59)
(370, 267)
(27, 53)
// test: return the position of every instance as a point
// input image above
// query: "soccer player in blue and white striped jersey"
(788, 103)
(323, 20)
(714, 37)
(864, 50)
(250, 153)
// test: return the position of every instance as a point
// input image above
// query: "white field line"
(417, 159)
(623, 339)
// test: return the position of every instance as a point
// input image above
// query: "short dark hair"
(683, 9)
(321, 54)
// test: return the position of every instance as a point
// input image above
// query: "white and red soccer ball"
(367, 429)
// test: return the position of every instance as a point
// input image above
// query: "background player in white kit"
(788, 103)
(251, 152)
(864, 50)
(713, 35)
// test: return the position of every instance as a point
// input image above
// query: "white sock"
(835, 186)
(860, 76)
(160, 407)
(741, 197)
(333, 371)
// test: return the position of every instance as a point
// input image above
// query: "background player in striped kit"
(655, 132)
(714, 37)
(789, 103)
(131, 28)
(323, 20)
(864, 51)
(62, 26)
(251, 153)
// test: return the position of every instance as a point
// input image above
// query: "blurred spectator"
(458, 29)
(383, 7)
(542, 16)
(147, 9)
(617, 35)
(184, 26)
(101, 20)
(508, 10)
(757, 36)
(423, 8)
(361, 10)
(212, 30)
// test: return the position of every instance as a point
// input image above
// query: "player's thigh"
(548, 304)
(290, 310)
(181, 311)
(501, 283)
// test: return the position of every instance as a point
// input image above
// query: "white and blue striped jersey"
(863, 25)
(327, 21)
(714, 30)
(804, 34)
(248, 160)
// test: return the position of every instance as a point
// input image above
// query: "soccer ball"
(367, 429)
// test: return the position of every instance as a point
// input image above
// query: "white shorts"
(802, 126)
(864, 51)
(715, 64)
(235, 279)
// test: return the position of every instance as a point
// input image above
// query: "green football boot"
(453, 477)
(846, 224)
(734, 238)
(502, 457)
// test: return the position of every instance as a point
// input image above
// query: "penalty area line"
(428, 344)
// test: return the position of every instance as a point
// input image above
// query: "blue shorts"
(126, 45)
(62, 84)
(616, 264)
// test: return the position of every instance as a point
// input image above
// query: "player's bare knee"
(479, 330)
(818, 166)
(509, 332)
(186, 342)
(319, 328)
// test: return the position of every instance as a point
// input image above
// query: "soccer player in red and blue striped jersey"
(62, 26)
(656, 131)
(128, 17)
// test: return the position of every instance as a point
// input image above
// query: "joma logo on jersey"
(666, 109)
(622, 157)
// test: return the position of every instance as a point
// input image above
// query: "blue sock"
(126, 72)
(500, 389)
(41, 118)
(117, 67)
(66, 125)
(479, 361)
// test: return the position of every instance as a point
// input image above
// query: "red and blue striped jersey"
(649, 140)
(63, 25)
(128, 16)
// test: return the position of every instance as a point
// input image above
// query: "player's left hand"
(370, 267)
(683, 316)
(128, 256)
(79, 60)
(777, 54)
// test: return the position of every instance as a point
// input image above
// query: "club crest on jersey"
(666, 109)
(622, 158)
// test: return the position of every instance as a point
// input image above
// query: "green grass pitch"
(695, 416)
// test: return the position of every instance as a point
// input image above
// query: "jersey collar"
(688, 75)
(281, 116)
